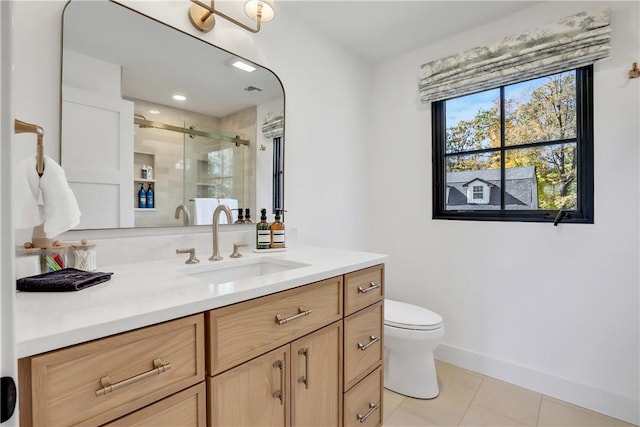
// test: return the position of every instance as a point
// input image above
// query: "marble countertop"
(143, 294)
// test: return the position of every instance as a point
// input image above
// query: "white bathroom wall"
(325, 180)
(554, 309)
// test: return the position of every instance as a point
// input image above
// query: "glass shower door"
(214, 169)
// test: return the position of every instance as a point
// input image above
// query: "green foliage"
(544, 113)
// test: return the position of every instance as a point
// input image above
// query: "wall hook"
(634, 72)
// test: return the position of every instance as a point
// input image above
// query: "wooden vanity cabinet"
(308, 356)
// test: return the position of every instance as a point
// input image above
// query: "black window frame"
(277, 192)
(584, 212)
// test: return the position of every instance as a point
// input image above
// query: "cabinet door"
(252, 394)
(316, 383)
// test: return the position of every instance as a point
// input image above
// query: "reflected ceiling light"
(201, 14)
(154, 112)
(179, 97)
(244, 66)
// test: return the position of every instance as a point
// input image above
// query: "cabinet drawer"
(363, 288)
(242, 331)
(185, 409)
(363, 345)
(96, 382)
(363, 403)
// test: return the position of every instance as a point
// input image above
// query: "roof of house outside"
(520, 188)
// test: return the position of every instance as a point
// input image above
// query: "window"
(477, 192)
(520, 152)
(278, 173)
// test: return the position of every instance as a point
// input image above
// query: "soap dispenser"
(263, 232)
(277, 232)
(247, 216)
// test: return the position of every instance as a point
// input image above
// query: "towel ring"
(24, 127)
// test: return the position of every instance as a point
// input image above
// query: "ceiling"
(380, 30)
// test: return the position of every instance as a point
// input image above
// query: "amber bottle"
(277, 232)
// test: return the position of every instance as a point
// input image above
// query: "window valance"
(273, 125)
(571, 42)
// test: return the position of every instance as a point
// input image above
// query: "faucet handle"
(192, 255)
(236, 252)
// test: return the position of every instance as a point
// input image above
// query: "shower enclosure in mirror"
(123, 131)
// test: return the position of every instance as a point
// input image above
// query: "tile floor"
(471, 399)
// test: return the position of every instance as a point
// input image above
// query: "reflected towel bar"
(24, 127)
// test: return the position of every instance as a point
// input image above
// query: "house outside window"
(520, 152)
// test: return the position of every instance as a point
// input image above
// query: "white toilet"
(411, 333)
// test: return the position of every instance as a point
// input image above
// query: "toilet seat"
(408, 316)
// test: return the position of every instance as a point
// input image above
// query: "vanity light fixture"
(179, 97)
(244, 66)
(201, 14)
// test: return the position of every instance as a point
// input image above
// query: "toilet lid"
(408, 316)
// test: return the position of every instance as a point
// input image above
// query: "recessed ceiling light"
(154, 112)
(179, 97)
(244, 66)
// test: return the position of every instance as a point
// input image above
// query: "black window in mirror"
(278, 173)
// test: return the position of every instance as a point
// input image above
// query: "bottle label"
(278, 236)
(264, 237)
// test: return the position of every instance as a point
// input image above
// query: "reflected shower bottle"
(150, 198)
(142, 197)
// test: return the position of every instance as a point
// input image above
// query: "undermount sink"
(215, 273)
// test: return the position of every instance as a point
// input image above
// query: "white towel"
(27, 209)
(204, 208)
(47, 198)
(233, 205)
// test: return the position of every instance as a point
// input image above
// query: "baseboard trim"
(614, 405)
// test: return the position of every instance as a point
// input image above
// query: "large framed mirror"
(145, 106)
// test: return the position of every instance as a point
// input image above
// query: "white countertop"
(143, 294)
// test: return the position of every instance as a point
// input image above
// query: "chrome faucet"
(216, 218)
(185, 216)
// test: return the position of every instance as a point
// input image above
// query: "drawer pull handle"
(372, 286)
(280, 320)
(107, 387)
(372, 409)
(307, 355)
(282, 393)
(372, 341)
